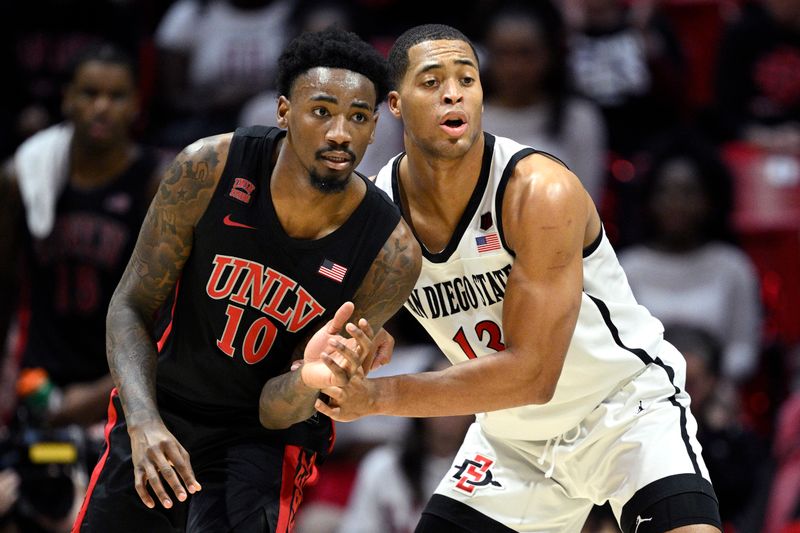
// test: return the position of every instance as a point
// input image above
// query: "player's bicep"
(390, 279)
(166, 236)
(543, 294)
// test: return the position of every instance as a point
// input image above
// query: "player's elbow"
(543, 395)
(270, 422)
(541, 389)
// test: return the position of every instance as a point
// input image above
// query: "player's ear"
(393, 101)
(375, 118)
(282, 112)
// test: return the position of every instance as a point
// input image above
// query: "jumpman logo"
(639, 410)
(639, 521)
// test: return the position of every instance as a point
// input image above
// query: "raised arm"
(547, 216)
(164, 244)
(290, 397)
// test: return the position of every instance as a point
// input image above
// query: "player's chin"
(331, 182)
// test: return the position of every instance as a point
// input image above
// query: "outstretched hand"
(330, 360)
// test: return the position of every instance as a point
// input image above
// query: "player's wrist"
(302, 380)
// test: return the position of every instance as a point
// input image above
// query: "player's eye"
(320, 112)
(467, 80)
(360, 117)
(89, 93)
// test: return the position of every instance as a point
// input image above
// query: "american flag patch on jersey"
(488, 243)
(332, 270)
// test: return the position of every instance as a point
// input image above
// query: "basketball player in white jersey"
(579, 400)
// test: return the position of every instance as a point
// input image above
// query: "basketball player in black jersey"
(259, 247)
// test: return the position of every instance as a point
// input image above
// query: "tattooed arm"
(164, 245)
(290, 397)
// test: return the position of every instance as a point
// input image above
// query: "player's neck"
(305, 212)
(435, 193)
(426, 178)
(92, 167)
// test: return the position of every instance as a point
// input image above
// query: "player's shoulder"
(199, 165)
(404, 245)
(208, 146)
(545, 178)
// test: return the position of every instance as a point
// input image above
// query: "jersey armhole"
(501, 190)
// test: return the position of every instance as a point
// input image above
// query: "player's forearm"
(132, 361)
(489, 383)
(286, 400)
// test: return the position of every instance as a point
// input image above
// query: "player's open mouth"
(336, 161)
(454, 126)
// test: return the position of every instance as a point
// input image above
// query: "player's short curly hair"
(334, 48)
(398, 55)
(102, 52)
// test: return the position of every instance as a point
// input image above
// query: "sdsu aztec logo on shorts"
(474, 473)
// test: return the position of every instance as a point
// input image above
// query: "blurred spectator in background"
(528, 95)
(783, 511)
(214, 55)
(394, 482)
(625, 58)
(39, 40)
(76, 194)
(758, 85)
(685, 270)
(737, 458)
(316, 15)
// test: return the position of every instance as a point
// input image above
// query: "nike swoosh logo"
(228, 222)
(639, 521)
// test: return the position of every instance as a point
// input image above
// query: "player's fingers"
(367, 328)
(339, 376)
(344, 356)
(341, 317)
(383, 352)
(325, 409)
(154, 479)
(181, 463)
(335, 393)
(139, 484)
(363, 341)
(167, 472)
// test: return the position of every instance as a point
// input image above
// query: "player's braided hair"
(334, 48)
(398, 55)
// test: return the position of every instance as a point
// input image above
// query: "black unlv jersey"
(249, 293)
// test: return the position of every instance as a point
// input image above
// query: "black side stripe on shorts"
(464, 517)
(647, 359)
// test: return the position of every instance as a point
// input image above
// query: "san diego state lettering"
(457, 295)
(245, 283)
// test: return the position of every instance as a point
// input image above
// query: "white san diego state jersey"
(458, 298)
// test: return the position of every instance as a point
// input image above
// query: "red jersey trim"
(168, 329)
(112, 421)
(298, 470)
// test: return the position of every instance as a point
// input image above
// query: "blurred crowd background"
(681, 117)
